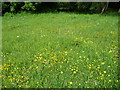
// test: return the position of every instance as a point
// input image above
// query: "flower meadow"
(59, 50)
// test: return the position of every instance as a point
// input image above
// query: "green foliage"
(5, 7)
(64, 6)
(96, 7)
(0, 8)
(12, 6)
(52, 6)
(8, 14)
(61, 50)
(83, 6)
(48, 7)
(28, 6)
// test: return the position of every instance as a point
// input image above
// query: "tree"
(105, 6)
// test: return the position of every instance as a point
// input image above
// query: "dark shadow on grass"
(109, 12)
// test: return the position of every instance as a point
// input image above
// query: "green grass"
(59, 50)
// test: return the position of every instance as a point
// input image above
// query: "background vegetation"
(79, 7)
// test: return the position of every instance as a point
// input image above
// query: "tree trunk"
(119, 10)
(105, 7)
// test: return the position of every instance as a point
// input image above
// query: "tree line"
(80, 7)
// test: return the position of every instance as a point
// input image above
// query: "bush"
(96, 7)
(28, 6)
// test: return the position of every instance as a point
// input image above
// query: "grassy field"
(59, 50)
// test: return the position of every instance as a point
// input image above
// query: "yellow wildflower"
(89, 67)
(87, 59)
(110, 51)
(37, 67)
(61, 72)
(80, 56)
(103, 63)
(74, 72)
(70, 82)
(104, 71)
(108, 75)
(98, 67)
(19, 85)
(109, 80)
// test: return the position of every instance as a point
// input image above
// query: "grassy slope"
(59, 50)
